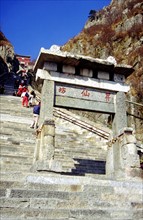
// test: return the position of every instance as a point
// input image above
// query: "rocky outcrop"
(8, 61)
(6, 51)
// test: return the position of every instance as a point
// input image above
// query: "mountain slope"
(117, 31)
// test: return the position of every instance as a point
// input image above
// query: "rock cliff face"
(6, 53)
(117, 31)
(8, 61)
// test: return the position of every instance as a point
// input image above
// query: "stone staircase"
(80, 152)
(17, 140)
(82, 191)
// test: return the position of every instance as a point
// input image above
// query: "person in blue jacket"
(36, 113)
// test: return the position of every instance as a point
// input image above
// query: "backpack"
(26, 94)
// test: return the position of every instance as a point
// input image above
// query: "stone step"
(14, 149)
(40, 207)
(75, 193)
(15, 167)
(16, 157)
(19, 155)
(16, 140)
(58, 203)
(15, 176)
(23, 168)
(14, 122)
(75, 155)
(18, 120)
(31, 213)
(48, 178)
(23, 112)
(16, 162)
(5, 184)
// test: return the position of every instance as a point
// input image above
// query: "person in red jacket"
(20, 90)
(25, 96)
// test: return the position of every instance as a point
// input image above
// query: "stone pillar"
(37, 148)
(119, 122)
(109, 160)
(47, 101)
(122, 158)
(45, 147)
(48, 146)
(120, 119)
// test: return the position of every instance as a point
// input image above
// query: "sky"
(32, 24)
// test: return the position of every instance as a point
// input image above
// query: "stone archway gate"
(81, 82)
